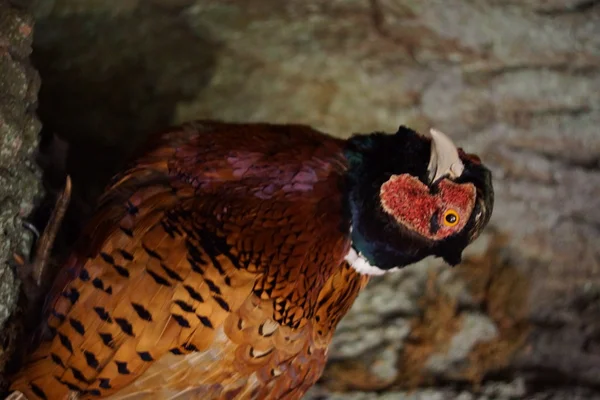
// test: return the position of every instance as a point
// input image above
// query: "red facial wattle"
(411, 203)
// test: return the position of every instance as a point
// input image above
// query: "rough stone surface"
(490, 391)
(19, 176)
(474, 328)
(516, 81)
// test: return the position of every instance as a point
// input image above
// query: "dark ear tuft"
(405, 130)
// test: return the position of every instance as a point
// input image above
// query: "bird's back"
(212, 268)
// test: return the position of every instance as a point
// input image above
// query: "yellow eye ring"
(451, 218)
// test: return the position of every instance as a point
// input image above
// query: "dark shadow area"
(108, 81)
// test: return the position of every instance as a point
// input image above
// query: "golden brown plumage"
(182, 270)
(214, 268)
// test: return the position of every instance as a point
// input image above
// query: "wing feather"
(191, 281)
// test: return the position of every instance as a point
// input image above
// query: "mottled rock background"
(516, 81)
(19, 175)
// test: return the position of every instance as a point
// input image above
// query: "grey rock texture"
(517, 82)
(19, 176)
(490, 391)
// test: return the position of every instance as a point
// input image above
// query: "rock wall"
(19, 175)
(516, 81)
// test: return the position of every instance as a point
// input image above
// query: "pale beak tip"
(444, 158)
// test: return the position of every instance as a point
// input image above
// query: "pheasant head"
(412, 196)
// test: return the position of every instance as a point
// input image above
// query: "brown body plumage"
(219, 264)
(191, 283)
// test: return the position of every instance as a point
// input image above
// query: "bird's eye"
(450, 218)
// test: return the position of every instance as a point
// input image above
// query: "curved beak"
(444, 160)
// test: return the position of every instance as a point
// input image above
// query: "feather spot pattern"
(192, 292)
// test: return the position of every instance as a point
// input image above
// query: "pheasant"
(218, 265)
